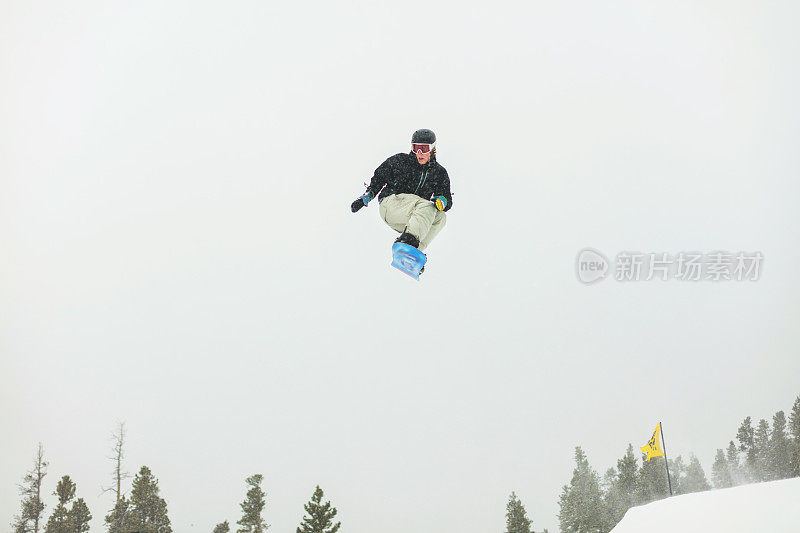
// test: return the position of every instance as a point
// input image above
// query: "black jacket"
(402, 173)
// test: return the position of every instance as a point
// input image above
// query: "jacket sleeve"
(443, 189)
(380, 177)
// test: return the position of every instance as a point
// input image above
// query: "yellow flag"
(653, 447)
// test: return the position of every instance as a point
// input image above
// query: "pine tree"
(320, 516)
(581, 501)
(761, 446)
(222, 527)
(31, 491)
(516, 518)
(732, 456)
(59, 521)
(608, 479)
(745, 435)
(145, 512)
(695, 480)
(79, 516)
(652, 481)
(116, 519)
(677, 471)
(610, 498)
(252, 507)
(779, 452)
(721, 472)
(621, 494)
(74, 520)
(794, 435)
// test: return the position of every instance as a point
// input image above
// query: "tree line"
(588, 504)
(594, 504)
(144, 510)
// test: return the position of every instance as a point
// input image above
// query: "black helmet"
(423, 137)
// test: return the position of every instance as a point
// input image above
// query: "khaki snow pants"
(409, 212)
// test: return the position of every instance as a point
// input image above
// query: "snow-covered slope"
(772, 507)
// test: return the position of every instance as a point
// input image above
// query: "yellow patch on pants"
(409, 212)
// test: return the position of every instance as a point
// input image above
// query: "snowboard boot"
(407, 238)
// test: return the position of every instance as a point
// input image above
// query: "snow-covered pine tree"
(79, 516)
(222, 527)
(116, 518)
(621, 495)
(252, 507)
(609, 497)
(761, 446)
(779, 452)
(695, 480)
(677, 471)
(147, 510)
(721, 472)
(59, 521)
(745, 435)
(31, 491)
(516, 518)
(319, 517)
(581, 502)
(63, 520)
(794, 435)
(732, 456)
(652, 483)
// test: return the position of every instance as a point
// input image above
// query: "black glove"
(358, 204)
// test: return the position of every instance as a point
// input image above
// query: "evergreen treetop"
(734, 467)
(74, 520)
(32, 506)
(761, 446)
(79, 516)
(145, 512)
(319, 518)
(65, 490)
(652, 482)
(581, 500)
(677, 470)
(620, 495)
(696, 480)
(516, 518)
(794, 421)
(794, 435)
(721, 472)
(779, 452)
(252, 507)
(222, 527)
(59, 520)
(115, 519)
(746, 437)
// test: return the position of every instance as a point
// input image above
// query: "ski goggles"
(422, 147)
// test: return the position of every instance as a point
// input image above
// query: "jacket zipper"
(422, 179)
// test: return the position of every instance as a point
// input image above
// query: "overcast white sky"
(178, 250)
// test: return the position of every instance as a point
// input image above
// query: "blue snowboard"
(408, 259)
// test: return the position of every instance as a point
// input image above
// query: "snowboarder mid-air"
(414, 192)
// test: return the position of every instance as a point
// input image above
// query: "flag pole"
(666, 461)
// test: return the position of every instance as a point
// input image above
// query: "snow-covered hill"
(772, 507)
